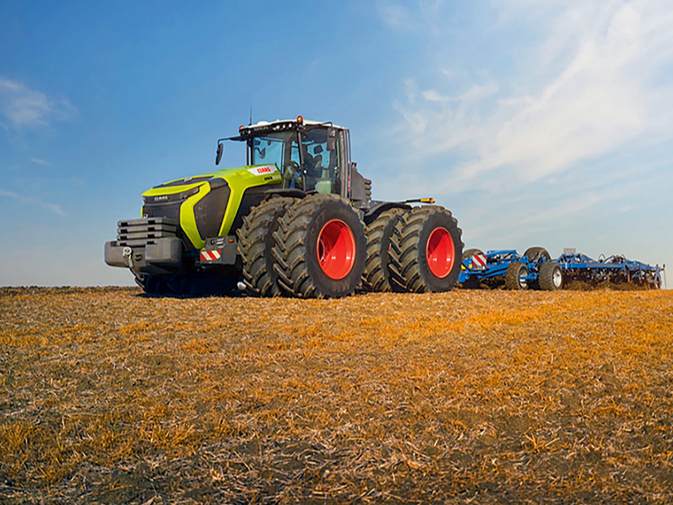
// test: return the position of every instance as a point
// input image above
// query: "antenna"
(250, 116)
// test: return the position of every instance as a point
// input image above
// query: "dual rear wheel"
(549, 278)
(426, 251)
(318, 247)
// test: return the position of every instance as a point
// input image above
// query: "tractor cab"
(312, 157)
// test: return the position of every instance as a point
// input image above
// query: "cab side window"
(320, 162)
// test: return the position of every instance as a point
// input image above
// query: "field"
(108, 396)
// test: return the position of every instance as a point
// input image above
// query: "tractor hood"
(245, 176)
(206, 205)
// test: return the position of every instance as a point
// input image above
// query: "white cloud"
(34, 201)
(24, 107)
(592, 84)
(39, 161)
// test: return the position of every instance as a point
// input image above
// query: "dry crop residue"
(107, 396)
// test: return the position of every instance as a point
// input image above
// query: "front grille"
(170, 210)
(142, 232)
(209, 211)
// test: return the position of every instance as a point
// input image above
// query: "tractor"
(297, 220)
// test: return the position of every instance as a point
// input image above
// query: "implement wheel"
(320, 248)
(551, 276)
(535, 254)
(255, 240)
(426, 251)
(515, 276)
(377, 268)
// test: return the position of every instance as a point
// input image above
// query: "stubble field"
(108, 396)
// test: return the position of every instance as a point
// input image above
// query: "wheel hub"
(336, 249)
(440, 252)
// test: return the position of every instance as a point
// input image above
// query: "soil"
(110, 396)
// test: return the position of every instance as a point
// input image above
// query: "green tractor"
(297, 219)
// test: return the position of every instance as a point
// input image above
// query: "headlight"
(175, 197)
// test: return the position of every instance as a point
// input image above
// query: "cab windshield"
(279, 148)
(319, 171)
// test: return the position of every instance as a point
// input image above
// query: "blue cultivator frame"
(536, 269)
(615, 269)
(496, 266)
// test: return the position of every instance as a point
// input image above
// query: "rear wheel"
(320, 248)
(425, 251)
(255, 240)
(515, 276)
(551, 276)
(377, 268)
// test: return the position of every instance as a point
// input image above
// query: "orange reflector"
(231, 240)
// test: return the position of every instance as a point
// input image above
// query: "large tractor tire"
(320, 248)
(190, 285)
(515, 276)
(255, 240)
(377, 268)
(550, 277)
(426, 251)
(152, 285)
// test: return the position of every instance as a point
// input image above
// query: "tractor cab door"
(323, 159)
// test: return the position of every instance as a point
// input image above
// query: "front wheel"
(320, 248)
(255, 241)
(515, 276)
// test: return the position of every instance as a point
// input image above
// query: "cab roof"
(283, 125)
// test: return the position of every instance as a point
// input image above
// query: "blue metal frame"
(614, 268)
(575, 266)
(496, 265)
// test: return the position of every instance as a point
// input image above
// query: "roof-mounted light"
(300, 120)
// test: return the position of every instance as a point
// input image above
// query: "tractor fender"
(374, 211)
(289, 192)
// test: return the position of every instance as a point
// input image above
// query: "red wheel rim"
(336, 249)
(440, 252)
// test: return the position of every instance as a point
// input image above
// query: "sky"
(536, 122)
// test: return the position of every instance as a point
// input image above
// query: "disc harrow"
(536, 269)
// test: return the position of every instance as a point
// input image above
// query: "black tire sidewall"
(269, 241)
(513, 273)
(434, 221)
(386, 244)
(328, 211)
(546, 274)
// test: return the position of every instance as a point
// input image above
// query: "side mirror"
(220, 151)
(331, 139)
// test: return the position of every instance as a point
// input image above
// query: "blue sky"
(537, 123)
